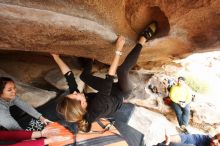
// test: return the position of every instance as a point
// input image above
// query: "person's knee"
(178, 111)
(186, 111)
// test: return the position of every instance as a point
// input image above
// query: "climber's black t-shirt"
(102, 103)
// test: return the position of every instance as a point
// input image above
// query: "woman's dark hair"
(3, 82)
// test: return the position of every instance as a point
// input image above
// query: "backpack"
(167, 100)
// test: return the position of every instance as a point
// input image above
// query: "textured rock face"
(148, 124)
(89, 28)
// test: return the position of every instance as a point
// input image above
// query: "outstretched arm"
(171, 138)
(119, 46)
(67, 73)
(63, 66)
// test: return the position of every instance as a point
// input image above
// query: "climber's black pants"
(124, 85)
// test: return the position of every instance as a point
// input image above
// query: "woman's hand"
(44, 120)
(62, 65)
(167, 138)
(48, 132)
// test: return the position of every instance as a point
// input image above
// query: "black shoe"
(182, 129)
(150, 30)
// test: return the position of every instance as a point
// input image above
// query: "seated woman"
(86, 108)
(25, 138)
(8, 98)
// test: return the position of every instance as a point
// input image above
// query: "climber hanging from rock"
(85, 108)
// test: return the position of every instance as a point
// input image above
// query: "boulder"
(90, 28)
(151, 124)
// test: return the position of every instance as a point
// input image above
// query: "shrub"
(198, 84)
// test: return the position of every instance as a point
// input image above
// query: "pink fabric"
(39, 142)
(20, 135)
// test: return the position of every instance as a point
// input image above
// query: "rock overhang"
(90, 28)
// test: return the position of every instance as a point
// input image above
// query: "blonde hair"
(72, 111)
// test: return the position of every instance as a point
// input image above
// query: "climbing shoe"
(150, 30)
(182, 129)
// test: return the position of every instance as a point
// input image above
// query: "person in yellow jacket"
(181, 97)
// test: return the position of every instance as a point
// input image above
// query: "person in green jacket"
(181, 97)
